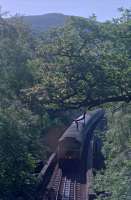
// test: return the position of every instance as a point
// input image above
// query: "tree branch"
(92, 103)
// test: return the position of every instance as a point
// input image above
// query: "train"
(71, 144)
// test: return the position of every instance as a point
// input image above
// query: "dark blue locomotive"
(70, 146)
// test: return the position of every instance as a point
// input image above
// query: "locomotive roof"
(77, 133)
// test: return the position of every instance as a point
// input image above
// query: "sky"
(103, 9)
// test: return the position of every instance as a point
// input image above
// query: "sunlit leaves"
(85, 61)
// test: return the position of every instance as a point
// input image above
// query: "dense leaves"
(19, 128)
(86, 63)
(116, 179)
(18, 152)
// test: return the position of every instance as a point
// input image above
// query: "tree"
(19, 128)
(115, 179)
(86, 63)
(15, 51)
(18, 152)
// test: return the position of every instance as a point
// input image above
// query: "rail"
(63, 188)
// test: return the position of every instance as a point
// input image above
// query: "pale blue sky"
(104, 9)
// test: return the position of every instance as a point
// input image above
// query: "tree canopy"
(19, 128)
(116, 178)
(84, 64)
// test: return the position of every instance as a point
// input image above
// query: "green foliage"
(85, 63)
(18, 151)
(117, 149)
(19, 128)
(15, 50)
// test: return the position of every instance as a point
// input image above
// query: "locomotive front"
(69, 148)
(69, 154)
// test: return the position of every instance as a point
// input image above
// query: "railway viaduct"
(54, 185)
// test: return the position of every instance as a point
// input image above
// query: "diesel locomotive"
(70, 145)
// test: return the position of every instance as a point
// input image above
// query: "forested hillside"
(41, 23)
(44, 79)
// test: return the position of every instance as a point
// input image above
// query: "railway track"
(63, 188)
(71, 186)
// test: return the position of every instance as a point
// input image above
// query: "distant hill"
(40, 23)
